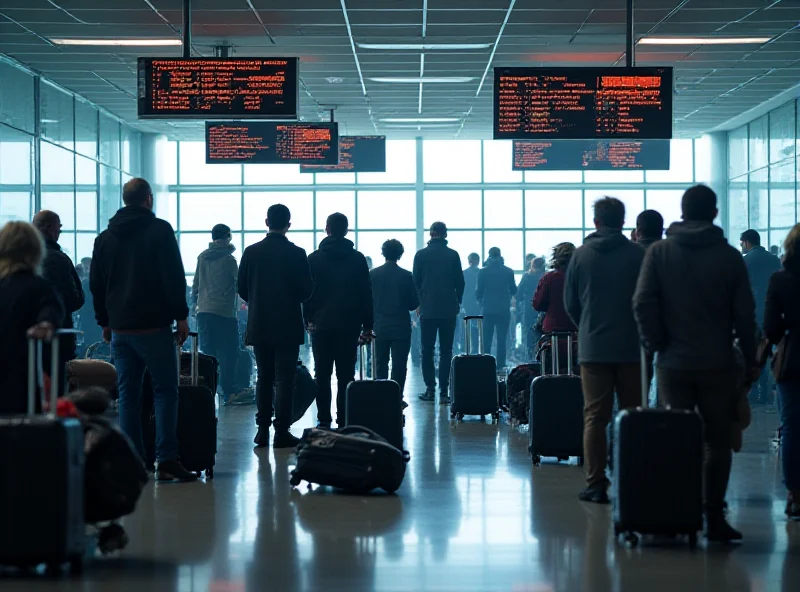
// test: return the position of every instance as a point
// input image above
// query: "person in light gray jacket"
(214, 298)
(598, 294)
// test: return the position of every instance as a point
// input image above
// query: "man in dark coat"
(274, 281)
(338, 315)
(496, 286)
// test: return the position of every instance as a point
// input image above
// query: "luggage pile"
(518, 387)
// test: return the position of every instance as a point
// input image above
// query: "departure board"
(582, 103)
(357, 154)
(591, 155)
(199, 88)
(270, 142)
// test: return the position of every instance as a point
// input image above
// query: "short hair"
(699, 204)
(650, 224)
(495, 252)
(278, 217)
(136, 192)
(538, 262)
(473, 257)
(21, 248)
(45, 219)
(774, 249)
(439, 229)
(337, 224)
(220, 231)
(791, 246)
(609, 212)
(752, 237)
(529, 257)
(392, 250)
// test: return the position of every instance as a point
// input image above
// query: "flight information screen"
(267, 142)
(582, 103)
(357, 154)
(199, 88)
(591, 155)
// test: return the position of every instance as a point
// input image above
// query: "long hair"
(791, 248)
(21, 249)
(562, 254)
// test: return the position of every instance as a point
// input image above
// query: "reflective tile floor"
(472, 515)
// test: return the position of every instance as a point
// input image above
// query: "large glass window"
(401, 164)
(681, 164)
(387, 209)
(202, 211)
(633, 200)
(16, 157)
(554, 209)
(57, 116)
(457, 209)
(193, 169)
(502, 209)
(300, 204)
(452, 161)
(497, 162)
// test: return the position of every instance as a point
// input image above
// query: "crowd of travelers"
(698, 308)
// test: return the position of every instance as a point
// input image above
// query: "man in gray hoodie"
(601, 279)
(214, 297)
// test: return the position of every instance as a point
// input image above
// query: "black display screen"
(591, 155)
(269, 142)
(357, 154)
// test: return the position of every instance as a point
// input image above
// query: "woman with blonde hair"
(782, 329)
(28, 306)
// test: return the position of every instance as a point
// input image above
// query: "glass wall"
(468, 184)
(762, 175)
(84, 155)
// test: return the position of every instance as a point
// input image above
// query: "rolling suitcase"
(197, 420)
(658, 463)
(375, 404)
(556, 409)
(473, 379)
(42, 494)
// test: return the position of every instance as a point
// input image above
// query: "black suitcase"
(41, 496)
(658, 463)
(353, 458)
(197, 420)
(556, 410)
(375, 404)
(473, 379)
(207, 370)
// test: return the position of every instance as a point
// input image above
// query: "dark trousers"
(446, 330)
(339, 348)
(398, 349)
(219, 337)
(712, 393)
(789, 405)
(277, 367)
(497, 324)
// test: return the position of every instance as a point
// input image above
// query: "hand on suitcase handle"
(42, 331)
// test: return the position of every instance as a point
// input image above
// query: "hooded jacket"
(342, 298)
(761, 264)
(598, 296)
(137, 277)
(214, 285)
(439, 280)
(693, 297)
(496, 286)
(394, 295)
(782, 314)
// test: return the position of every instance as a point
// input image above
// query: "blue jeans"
(789, 405)
(157, 353)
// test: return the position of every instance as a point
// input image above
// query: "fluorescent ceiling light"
(420, 119)
(703, 40)
(119, 42)
(420, 79)
(425, 46)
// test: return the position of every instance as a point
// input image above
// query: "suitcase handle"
(362, 360)
(36, 371)
(555, 364)
(468, 333)
(194, 366)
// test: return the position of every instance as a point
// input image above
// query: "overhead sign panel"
(268, 142)
(218, 88)
(582, 103)
(357, 154)
(591, 155)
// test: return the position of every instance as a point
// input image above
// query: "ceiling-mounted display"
(357, 154)
(582, 103)
(591, 155)
(270, 142)
(218, 88)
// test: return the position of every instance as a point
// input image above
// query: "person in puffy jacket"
(496, 286)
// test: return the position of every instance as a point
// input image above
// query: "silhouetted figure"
(649, 228)
(526, 314)
(496, 286)
(549, 295)
(469, 303)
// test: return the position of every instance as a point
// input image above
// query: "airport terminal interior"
(473, 514)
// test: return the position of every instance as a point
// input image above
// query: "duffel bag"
(89, 373)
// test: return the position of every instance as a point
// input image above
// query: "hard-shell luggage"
(473, 379)
(197, 419)
(556, 409)
(375, 404)
(352, 458)
(658, 471)
(41, 495)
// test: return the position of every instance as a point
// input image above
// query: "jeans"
(157, 353)
(497, 324)
(339, 348)
(789, 405)
(219, 337)
(760, 391)
(600, 382)
(399, 350)
(277, 367)
(446, 330)
(712, 393)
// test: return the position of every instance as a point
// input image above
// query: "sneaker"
(262, 437)
(427, 396)
(596, 494)
(793, 506)
(172, 470)
(285, 440)
(719, 531)
(444, 400)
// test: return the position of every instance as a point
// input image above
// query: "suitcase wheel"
(537, 460)
(210, 473)
(631, 540)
